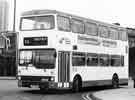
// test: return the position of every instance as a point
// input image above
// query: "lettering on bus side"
(107, 43)
(87, 40)
(64, 40)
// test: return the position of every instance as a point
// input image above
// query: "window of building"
(113, 34)
(92, 59)
(77, 26)
(91, 28)
(103, 31)
(78, 59)
(104, 60)
(63, 23)
(115, 60)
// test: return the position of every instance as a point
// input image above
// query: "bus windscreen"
(43, 59)
(37, 23)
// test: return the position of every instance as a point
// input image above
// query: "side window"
(113, 34)
(77, 26)
(92, 59)
(115, 60)
(123, 35)
(78, 59)
(91, 28)
(63, 23)
(104, 60)
(122, 60)
(103, 31)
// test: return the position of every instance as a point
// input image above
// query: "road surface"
(10, 91)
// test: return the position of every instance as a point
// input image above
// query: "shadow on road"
(49, 92)
(65, 91)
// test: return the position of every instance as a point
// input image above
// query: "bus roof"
(38, 12)
(43, 12)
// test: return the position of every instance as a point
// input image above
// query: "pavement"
(7, 78)
(122, 93)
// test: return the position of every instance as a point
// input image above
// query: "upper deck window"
(113, 34)
(103, 31)
(91, 28)
(77, 26)
(63, 23)
(37, 23)
(123, 35)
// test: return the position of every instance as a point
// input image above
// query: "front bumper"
(40, 81)
(37, 83)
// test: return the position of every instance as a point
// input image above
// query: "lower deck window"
(92, 59)
(78, 59)
(115, 60)
(104, 60)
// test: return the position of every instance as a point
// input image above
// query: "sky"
(109, 11)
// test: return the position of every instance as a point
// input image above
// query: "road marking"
(86, 96)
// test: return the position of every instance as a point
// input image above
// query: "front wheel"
(43, 89)
(77, 85)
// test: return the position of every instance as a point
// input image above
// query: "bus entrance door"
(63, 69)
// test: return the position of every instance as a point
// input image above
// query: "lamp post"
(14, 18)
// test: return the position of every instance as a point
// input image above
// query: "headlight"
(52, 78)
(19, 78)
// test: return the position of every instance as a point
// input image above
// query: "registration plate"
(34, 86)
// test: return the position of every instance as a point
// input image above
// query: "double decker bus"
(61, 50)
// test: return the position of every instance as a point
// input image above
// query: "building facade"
(4, 13)
(8, 54)
(131, 39)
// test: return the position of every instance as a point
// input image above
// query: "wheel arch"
(77, 83)
(115, 81)
(77, 76)
(115, 75)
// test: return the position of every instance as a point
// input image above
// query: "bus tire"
(43, 89)
(77, 84)
(115, 81)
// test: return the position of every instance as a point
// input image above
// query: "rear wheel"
(77, 84)
(134, 83)
(115, 81)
